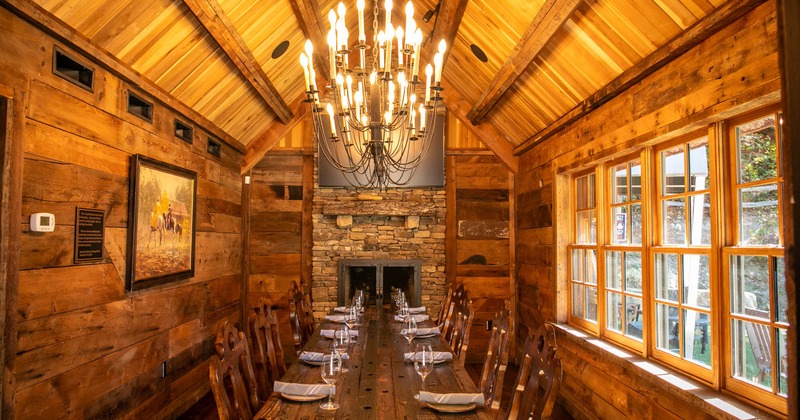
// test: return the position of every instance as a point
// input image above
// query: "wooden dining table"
(379, 383)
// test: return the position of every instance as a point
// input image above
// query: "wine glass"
(410, 331)
(423, 363)
(341, 342)
(351, 319)
(331, 369)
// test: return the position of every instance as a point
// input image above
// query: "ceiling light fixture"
(381, 118)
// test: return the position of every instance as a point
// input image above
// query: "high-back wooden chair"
(267, 365)
(494, 365)
(295, 318)
(232, 378)
(448, 325)
(448, 297)
(539, 377)
(465, 314)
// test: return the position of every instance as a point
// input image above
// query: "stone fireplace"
(380, 236)
(377, 278)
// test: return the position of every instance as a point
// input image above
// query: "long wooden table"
(379, 383)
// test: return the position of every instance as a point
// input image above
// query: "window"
(701, 249)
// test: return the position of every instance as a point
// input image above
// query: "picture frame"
(161, 223)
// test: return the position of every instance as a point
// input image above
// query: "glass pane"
(698, 165)
(590, 266)
(667, 277)
(758, 215)
(672, 171)
(700, 219)
(696, 281)
(750, 285)
(674, 221)
(577, 300)
(750, 352)
(614, 270)
(756, 146)
(782, 303)
(697, 337)
(636, 224)
(619, 234)
(591, 303)
(586, 227)
(577, 265)
(633, 272)
(619, 181)
(667, 328)
(584, 190)
(783, 362)
(636, 180)
(633, 307)
(614, 311)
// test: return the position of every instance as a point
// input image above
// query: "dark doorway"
(377, 278)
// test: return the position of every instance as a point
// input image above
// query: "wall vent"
(183, 131)
(214, 148)
(139, 107)
(72, 70)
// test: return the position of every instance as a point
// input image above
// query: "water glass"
(410, 330)
(423, 362)
(330, 371)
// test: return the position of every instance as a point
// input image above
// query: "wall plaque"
(89, 234)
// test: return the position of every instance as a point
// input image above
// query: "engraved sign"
(89, 235)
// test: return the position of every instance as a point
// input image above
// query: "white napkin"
(342, 309)
(302, 389)
(329, 333)
(336, 318)
(418, 318)
(438, 356)
(313, 356)
(424, 331)
(452, 398)
(418, 310)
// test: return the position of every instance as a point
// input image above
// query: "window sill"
(656, 377)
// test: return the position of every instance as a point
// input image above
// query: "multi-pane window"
(700, 249)
(758, 321)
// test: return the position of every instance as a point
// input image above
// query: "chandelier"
(379, 122)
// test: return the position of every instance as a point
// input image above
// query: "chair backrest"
(465, 314)
(758, 336)
(448, 297)
(268, 368)
(448, 325)
(539, 377)
(232, 379)
(494, 365)
(295, 318)
(303, 302)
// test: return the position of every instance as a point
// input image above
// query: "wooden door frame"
(10, 220)
(788, 45)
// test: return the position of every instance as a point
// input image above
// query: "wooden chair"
(443, 311)
(460, 341)
(232, 378)
(448, 325)
(268, 362)
(494, 365)
(295, 318)
(539, 377)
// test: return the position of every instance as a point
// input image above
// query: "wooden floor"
(206, 408)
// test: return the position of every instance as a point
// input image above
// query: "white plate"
(302, 398)
(427, 335)
(452, 408)
(313, 362)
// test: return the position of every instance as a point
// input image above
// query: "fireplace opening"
(377, 278)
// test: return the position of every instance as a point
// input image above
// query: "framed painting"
(161, 223)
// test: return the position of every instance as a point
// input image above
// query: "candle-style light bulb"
(387, 5)
(417, 46)
(332, 19)
(306, 75)
(362, 37)
(428, 74)
(437, 64)
(410, 24)
(332, 52)
(389, 38)
(442, 47)
(422, 117)
(400, 44)
(329, 108)
(381, 55)
(341, 9)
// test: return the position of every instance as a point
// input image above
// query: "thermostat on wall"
(43, 222)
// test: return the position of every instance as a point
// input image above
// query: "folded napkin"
(342, 309)
(418, 310)
(418, 318)
(424, 331)
(336, 318)
(302, 389)
(438, 356)
(312, 356)
(452, 398)
(329, 333)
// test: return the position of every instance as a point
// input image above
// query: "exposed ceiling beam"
(274, 132)
(719, 18)
(44, 20)
(550, 18)
(307, 13)
(213, 18)
(447, 23)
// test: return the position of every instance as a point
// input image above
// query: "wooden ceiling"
(548, 60)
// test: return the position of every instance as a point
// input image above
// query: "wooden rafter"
(550, 18)
(447, 23)
(307, 13)
(44, 20)
(216, 22)
(274, 132)
(683, 42)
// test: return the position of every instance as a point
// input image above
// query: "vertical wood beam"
(788, 45)
(213, 18)
(550, 18)
(245, 299)
(451, 220)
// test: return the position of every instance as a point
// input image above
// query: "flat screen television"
(430, 172)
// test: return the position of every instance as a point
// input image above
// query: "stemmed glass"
(341, 342)
(423, 362)
(410, 330)
(351, 319)
(331, 369)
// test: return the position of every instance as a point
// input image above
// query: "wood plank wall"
(86, 347)
(479, 246)
(731, 72)
(280, 221)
